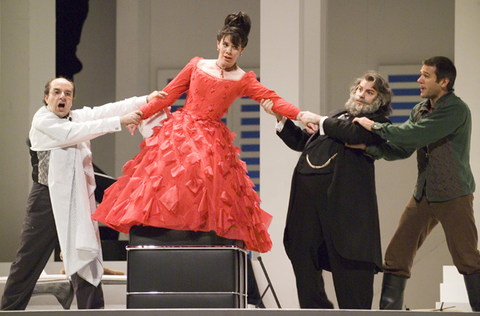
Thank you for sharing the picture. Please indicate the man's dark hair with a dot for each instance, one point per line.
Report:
(444, 68)
(46, 91)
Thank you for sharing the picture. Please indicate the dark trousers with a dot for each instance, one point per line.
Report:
(310, 250)
(417, 221)
(353, 282)
(37, 242)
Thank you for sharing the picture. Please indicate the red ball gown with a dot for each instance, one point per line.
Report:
(188, 175)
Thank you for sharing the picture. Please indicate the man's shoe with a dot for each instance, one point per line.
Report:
(63, 291)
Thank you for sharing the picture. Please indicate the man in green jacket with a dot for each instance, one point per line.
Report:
(439, 130)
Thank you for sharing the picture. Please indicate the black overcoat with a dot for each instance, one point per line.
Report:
(351, 218)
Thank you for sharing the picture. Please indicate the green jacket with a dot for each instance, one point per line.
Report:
(441, 136)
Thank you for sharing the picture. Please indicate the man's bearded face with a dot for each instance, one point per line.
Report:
(356, 105)
(363, 99)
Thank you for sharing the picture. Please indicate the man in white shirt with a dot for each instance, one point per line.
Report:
(62, 199)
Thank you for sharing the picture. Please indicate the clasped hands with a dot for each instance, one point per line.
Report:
(312, 121)
(309, 119)
(134, 118)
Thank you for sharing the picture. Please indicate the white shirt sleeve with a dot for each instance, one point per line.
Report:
(49, 132)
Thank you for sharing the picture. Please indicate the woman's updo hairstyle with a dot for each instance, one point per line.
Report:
(237, 25)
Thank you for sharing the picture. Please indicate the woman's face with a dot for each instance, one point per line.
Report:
(228, 52)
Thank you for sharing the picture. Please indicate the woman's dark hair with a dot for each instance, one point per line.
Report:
(237, 26)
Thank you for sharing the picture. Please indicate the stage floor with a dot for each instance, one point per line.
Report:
(233, 312)
(116, 305)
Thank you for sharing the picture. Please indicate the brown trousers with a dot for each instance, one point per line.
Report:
(419, 218)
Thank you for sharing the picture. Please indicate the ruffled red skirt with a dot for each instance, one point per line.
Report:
(188, 176)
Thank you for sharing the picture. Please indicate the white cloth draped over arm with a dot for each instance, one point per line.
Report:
(71, 179)
(72, 184)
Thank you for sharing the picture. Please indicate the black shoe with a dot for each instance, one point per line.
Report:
(63, 291)
(472, 283)
(393, 288)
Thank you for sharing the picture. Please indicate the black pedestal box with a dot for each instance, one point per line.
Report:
(163, 272)
(146, 235)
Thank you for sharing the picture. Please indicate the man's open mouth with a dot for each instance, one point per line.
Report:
(61, 105)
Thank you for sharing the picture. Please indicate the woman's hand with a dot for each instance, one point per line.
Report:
(310, 120)
(131, 119)
(267, 105)
(132, 128)
(156, 94)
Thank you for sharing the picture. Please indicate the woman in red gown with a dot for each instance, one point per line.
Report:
(188, 175)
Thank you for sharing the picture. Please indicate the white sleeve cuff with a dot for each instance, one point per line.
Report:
(279, 126)
(320, 125)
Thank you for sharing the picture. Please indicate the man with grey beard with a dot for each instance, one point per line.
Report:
(332, 222)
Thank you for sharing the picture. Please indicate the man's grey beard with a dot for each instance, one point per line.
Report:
(355, 109)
